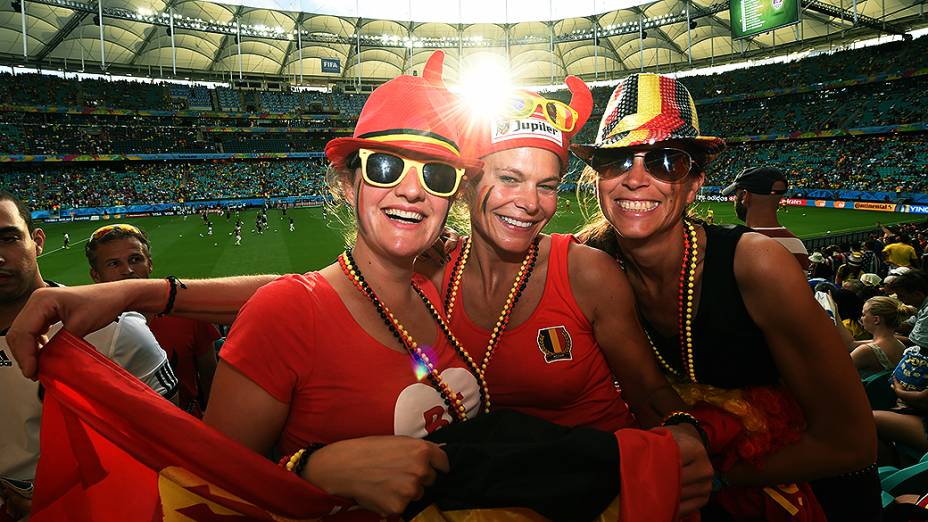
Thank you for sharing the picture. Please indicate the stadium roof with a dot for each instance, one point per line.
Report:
(544, 41)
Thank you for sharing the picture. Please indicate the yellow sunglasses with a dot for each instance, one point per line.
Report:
(386, 170)
(102, 231)
(523, 104)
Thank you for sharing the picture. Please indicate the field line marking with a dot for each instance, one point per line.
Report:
(61, 248)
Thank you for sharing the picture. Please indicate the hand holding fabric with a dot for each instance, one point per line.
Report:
(382, 474)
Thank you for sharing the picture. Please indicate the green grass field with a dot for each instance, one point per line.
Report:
(179, 249)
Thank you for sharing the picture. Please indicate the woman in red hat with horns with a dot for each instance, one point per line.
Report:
(548, 320)
(730, 320)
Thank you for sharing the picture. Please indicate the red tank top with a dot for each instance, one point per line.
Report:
(549, 366)
(296, 339)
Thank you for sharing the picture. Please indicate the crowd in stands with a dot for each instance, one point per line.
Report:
(872, 104)
(876, 290)
(894, 163)
(43, 90)
(887, 162)
(143, 183)
(895, 57)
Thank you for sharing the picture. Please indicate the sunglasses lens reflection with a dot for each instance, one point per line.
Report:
(384, 168)
(668, 165)
(439, 177)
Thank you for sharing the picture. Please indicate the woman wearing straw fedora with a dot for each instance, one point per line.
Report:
(742, 338)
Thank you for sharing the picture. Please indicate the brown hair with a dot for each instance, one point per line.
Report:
(21, 208)
(90, 249)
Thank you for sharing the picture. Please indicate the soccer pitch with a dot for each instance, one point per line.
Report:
(181, 246)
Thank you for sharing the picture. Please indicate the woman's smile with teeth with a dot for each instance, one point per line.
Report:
(515, 222)
(403, 215)
(637, 205)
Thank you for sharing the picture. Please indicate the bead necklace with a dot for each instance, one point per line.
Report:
(452, 400)
(686, 292)
(518, 286)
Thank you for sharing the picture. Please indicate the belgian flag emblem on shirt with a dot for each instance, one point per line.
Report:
(555, 343)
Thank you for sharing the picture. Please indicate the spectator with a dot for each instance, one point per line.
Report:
(120, 251)
(128, 342)
(911, 287)
(757, 198)
(899, 253)
(850, 270)
(881, 315)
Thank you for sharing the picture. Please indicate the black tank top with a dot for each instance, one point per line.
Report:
(729, 348)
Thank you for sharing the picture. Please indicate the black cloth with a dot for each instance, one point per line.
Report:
(507, 459)
(855, 496)
(729, 348)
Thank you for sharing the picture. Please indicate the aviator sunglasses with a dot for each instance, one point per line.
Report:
(523, 104)
(386, 170)
(665, 164)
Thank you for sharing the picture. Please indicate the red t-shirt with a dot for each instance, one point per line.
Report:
(184, 340)
(296, 339)
(550, 366)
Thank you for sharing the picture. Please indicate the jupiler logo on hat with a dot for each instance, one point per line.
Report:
(502, 130)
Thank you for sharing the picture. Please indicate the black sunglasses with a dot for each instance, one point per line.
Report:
(665, 164)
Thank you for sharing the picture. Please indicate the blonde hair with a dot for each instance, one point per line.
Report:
(338, 207)
(890, 309)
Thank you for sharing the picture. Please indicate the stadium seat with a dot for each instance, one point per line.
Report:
(879, 391)
(911, 480)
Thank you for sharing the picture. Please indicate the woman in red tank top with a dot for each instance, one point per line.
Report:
(551, 323)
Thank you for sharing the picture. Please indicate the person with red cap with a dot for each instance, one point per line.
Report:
(534, 309)
(731, 323)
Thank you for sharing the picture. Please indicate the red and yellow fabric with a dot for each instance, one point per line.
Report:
(104, 459)
(104, 455)
(746, 425)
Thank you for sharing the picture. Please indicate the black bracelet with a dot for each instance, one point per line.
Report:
(682, 417)
(304, 458)
(172, 294)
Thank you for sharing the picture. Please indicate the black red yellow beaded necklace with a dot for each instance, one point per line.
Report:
(452, 400)
(686, 291)
(518, 286)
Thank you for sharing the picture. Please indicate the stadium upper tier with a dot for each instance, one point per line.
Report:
(40, 90)
(337, 42)
(768, 114)
(828, 108)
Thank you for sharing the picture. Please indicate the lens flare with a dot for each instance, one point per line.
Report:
(485, 86)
